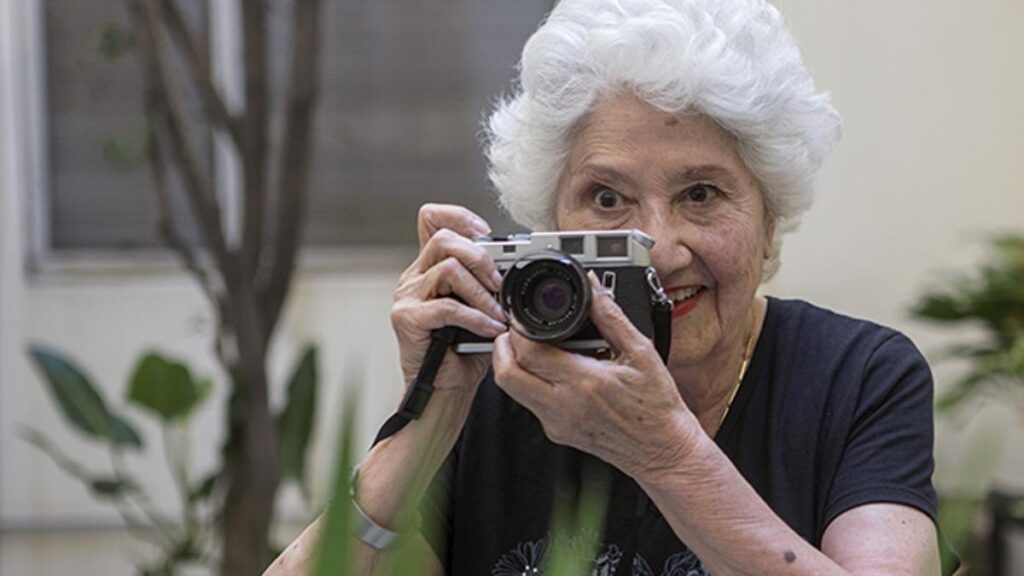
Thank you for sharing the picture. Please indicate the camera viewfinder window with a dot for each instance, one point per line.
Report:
(572, 245)
(611, 247)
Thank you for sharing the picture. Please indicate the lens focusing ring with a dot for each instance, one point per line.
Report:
(547, 295)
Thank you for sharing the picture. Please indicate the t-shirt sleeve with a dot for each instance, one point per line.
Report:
(888, 453)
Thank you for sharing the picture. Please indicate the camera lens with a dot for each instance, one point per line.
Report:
(552, 298)
(547, 295)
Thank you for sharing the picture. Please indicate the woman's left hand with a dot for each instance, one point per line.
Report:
(625, 410)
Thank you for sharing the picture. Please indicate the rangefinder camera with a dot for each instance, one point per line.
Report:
(546, 293)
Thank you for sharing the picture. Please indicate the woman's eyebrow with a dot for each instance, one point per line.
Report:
(713, 172)
(604, 173)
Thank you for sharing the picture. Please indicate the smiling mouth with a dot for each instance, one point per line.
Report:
(684, 299)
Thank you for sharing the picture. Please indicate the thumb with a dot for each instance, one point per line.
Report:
(617, 329)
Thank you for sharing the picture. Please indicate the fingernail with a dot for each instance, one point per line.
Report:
(498, 327)
(496, 279)
(482, 226)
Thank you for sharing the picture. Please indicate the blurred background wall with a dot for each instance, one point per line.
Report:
(931, 163)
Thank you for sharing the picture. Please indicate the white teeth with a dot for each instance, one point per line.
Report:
(684, 293)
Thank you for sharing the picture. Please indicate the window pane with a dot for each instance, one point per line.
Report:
(101, 192)
(404, 90)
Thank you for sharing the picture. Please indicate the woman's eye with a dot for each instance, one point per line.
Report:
(701, 193)
(607, 198)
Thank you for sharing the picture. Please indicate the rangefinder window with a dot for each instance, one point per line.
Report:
(572, 245)
(611, 247)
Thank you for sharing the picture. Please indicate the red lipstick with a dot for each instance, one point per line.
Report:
(683, 308)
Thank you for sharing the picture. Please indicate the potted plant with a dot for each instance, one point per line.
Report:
(992, 299)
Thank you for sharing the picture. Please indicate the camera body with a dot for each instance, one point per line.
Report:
(547, 295)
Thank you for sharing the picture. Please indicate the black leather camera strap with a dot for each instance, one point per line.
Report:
(422, 387)
(662, 312)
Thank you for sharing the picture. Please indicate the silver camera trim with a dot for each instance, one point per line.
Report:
(508, 252)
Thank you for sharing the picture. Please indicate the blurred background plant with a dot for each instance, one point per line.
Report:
(244, 264)
(991, 299)
(167, 390)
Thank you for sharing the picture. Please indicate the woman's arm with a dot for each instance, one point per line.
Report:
(718, 514)
(883, 539)
(397, 471)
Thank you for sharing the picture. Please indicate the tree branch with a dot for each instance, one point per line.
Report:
(201, 195)
(292, 188)
(200, 70)
(165, 216)
(254, 148)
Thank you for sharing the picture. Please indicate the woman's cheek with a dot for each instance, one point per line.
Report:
(734, 252)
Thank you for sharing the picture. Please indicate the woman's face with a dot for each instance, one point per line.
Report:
(680, 180)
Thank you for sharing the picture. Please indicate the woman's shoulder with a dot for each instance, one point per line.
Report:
(801, 321)
(803, 334)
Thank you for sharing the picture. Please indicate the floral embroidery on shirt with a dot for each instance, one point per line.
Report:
(527, 558)
(683, 563)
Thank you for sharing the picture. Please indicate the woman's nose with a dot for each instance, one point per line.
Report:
(672, 249)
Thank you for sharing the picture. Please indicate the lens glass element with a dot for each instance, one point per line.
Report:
(552, 297)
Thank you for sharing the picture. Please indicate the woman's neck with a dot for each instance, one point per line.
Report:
(709, 387)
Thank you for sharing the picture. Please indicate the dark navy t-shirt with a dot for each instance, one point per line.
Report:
(833, 413)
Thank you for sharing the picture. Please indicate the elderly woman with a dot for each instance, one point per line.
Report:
(778, 437)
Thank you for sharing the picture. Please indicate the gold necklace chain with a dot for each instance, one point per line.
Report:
(743, 371)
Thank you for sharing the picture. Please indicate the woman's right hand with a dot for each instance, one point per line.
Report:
(449, 265)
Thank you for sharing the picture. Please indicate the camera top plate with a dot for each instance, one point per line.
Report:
(591, 248)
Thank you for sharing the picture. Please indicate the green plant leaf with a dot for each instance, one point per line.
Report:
(334, 551)
(122, 433)
(295, 423)
(113, 40)
(108, 487)
(577, 522)
(46, 446)
(123, 152)
(941, 308)
(80, 401)
(165, 387)
(993, 298)
(202, 490)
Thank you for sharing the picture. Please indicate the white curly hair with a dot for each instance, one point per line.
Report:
(731, 60)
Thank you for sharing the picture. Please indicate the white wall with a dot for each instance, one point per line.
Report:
(932, 161)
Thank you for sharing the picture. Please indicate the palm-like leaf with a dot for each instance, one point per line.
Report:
(993, 298)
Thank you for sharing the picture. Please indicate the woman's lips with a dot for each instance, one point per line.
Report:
(683, 307)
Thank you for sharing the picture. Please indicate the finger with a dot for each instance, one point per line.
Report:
(451, 277)
(532, 392)
(417, 319)
(549, 362)
(434, 217)
(447, 244)
(612, 322)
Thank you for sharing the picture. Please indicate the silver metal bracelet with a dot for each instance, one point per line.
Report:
(368, 531)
